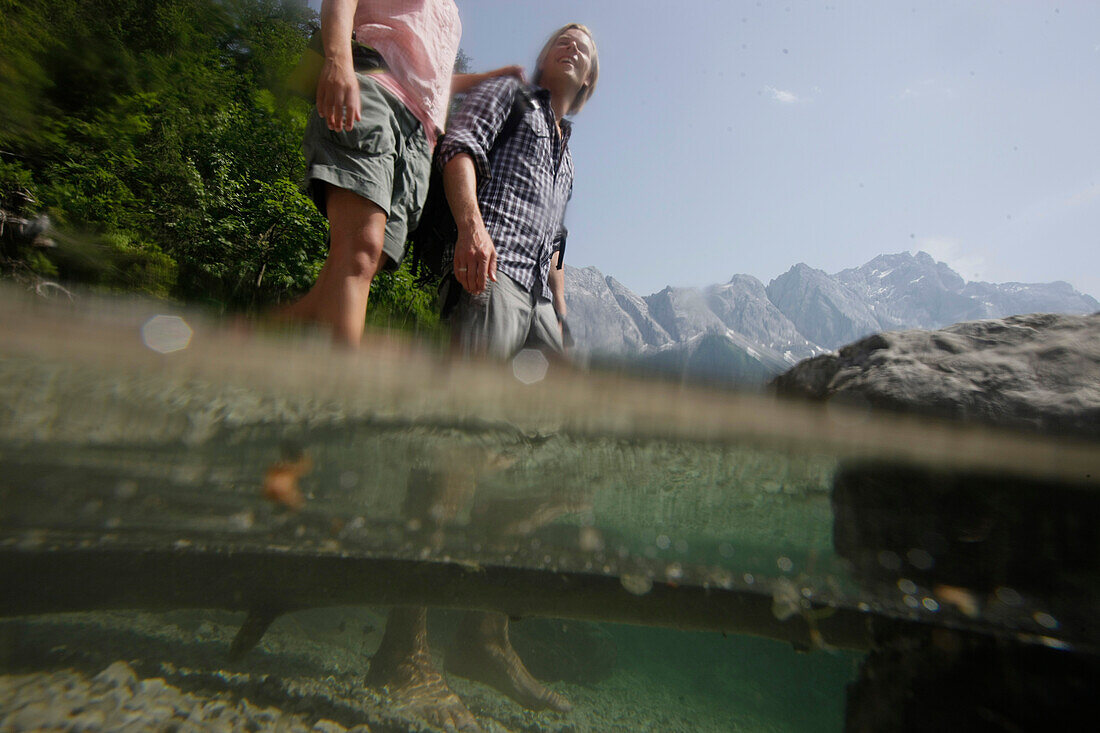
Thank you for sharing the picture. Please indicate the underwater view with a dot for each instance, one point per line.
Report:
(206, 527)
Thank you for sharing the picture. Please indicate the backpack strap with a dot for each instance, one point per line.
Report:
(521, 102)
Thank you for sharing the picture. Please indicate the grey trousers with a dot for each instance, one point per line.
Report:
(502, 320)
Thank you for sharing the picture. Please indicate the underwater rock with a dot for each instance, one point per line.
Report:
(948, 681)
(1039, 371)
(115, 676)
(938, 527)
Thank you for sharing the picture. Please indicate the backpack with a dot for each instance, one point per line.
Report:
(436, 229)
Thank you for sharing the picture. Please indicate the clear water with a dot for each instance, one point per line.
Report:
(105, 444)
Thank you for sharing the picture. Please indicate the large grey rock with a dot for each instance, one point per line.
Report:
(824, 310)
(1039, 371)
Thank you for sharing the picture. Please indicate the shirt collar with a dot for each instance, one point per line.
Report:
(543, 95)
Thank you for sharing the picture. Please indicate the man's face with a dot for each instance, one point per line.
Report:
(570, 56)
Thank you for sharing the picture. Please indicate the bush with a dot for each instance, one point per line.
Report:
(159, 140)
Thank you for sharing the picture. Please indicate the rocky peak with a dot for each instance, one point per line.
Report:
(823, 309)
(743, 306)
(634, 306)
(683, 313)
(801, 313)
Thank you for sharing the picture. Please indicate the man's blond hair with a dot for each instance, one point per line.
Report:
(589, 85)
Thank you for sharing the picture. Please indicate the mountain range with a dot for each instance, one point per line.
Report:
(742, 331)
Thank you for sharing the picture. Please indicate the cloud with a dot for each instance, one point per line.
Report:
(782, 95)
(946, 249)
(1088, 195)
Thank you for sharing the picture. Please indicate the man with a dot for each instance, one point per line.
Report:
(509, 209)
(507, 292)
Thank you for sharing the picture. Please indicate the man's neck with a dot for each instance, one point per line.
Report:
(561, 97)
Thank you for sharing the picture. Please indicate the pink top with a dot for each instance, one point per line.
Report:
(419, 41)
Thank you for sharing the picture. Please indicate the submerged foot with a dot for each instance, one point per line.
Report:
(416, 689)
(403, 669)
(489, 658)
(422, 693)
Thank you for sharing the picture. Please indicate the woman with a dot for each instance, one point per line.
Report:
(382, 97)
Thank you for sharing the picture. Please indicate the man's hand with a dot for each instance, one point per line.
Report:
(338, 93)
(475, 258)
(475, 255)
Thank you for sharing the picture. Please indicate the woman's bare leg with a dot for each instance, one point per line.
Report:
(357, 231)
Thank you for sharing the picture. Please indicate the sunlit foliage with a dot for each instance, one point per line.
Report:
(160, 141)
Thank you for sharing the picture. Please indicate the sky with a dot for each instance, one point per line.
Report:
(730, 136)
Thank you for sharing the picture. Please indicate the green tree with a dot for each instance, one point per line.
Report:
(161, 142)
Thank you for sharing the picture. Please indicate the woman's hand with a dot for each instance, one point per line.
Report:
(463, 83)
(338, 94)
(514, 70)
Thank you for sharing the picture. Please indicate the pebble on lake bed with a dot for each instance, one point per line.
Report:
(117, 699)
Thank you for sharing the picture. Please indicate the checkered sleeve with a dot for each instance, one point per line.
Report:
(475, 126)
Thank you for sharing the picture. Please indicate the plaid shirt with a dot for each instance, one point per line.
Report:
(523, 188)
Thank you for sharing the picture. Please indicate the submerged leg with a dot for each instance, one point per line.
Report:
(252, 630)
(403, 667)
(483, 652)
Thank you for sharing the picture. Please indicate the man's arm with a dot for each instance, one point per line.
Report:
(464, 155)
(475, 125)
(475, 255)
(337, 87)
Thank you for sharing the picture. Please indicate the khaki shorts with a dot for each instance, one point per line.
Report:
(384, 158)
(501, 320)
